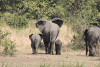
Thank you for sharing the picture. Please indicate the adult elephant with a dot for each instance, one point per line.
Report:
(92, 38)
(50, 31)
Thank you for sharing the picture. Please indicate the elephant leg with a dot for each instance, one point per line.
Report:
(99, 50)
(33, 50)
(36, 50)
(51, 47)
(56, 50)
(46, 47)
(92, 49)
(99, 46)
(60, 51)
(86, 47)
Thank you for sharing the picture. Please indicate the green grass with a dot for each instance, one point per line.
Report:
(4, 64)
(69, 65)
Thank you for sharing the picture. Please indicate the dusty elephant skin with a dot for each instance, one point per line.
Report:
(92, 38)
(50, 31)
(58, 44)
(35, 42)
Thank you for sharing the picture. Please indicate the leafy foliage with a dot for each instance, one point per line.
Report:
(9, 46)
(77, 13)
(16, 21)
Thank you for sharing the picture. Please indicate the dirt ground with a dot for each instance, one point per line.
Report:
(27, 59)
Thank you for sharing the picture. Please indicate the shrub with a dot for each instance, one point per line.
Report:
(18, 22)
(9, 46)
(78, 43)
(78, 27)
(15, 21)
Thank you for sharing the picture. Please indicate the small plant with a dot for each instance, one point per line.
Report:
(44, 65)
(9, 46)
(4, 64)
(78, 43)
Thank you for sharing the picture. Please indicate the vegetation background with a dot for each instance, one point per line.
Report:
(18, 17)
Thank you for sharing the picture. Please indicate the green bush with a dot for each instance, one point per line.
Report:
(78, 43)
(9, 46)
(15, 21)
(18, 22)
(78, 27)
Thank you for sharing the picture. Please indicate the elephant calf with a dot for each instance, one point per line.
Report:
(35, 42)
(58, 44)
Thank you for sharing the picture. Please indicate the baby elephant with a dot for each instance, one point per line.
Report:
(58, 44)
(35, 42)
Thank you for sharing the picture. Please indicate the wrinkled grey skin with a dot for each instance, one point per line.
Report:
(58, 45)
(50, 31)
(92, 39)
(35, 42)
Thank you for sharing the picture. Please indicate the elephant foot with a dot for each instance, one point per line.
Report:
(46, 52)
(35, 53)
(92, 54)
(52, 53)
(58, 54)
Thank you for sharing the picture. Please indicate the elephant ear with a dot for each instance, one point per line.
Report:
(30, 36)
(58, 21)
(40, 22)
(41, 36)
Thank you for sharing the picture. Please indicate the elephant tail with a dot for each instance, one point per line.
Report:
(86, 38)
(85, 34)
(85, 31)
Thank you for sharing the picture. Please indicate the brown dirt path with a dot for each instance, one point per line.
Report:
(66, 58)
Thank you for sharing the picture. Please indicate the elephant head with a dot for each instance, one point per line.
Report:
(41, 23)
